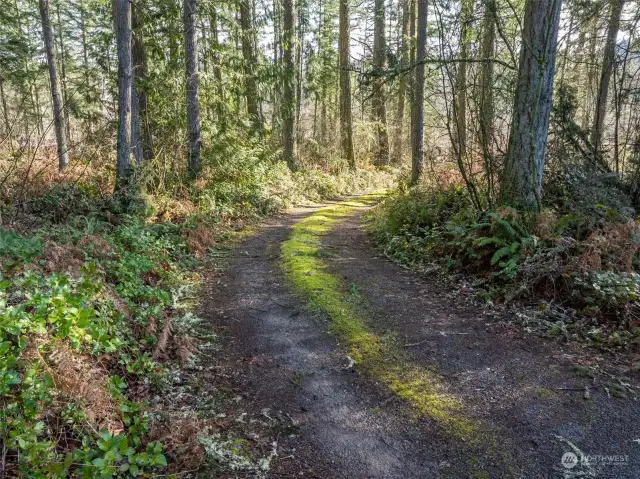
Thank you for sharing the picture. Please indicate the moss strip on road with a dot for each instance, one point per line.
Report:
(378, 356)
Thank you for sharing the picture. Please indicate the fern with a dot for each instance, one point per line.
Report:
(487, 240)
(501, 253)
(513, 230)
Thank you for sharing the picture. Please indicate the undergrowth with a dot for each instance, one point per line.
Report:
(582, 263)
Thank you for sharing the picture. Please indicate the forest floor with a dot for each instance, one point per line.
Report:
(500, 402)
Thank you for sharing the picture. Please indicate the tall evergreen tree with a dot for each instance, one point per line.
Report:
(289, 125)
(398, 140)
(605, 76)
(193, 105)
(59, 119)
(254, 107)
(379, 100)
(346, 123)
(417, 101)
(521, 183)
(122, 16)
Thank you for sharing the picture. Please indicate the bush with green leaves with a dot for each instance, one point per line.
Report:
(585, 264)
(99, 310)
(247, 180)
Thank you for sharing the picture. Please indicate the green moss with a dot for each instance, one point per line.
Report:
(424, 390)
(546, 393)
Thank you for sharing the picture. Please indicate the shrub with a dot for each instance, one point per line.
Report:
(593, 272)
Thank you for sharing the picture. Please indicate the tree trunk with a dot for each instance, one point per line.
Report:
(398, 142)
(217, 70)
(412, 45)
(379, 90)
(323, 115)
(460, 97)
(299, 64)
(85, 59)
(417, 106)
(63, 74)
(122, 15)
(289, 125)
(588, 105)
(5, 115)
(487, 109)
(277, 44)
(521, 184)
(58, 115)
(605, 76)
(250, 63)
(193, 108)
(143, 138)
(346, 124)
(136, 135)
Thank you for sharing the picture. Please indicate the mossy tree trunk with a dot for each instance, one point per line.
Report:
(521, 182)
(193, 106)
(605, 75)
(417, 106)
(379, 102)
(289, 101)
(59, 120)
(346, 124)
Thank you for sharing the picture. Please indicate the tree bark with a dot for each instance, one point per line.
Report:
(193, 107)
(487, 109)
(346, 124)
(143, 137)
(122, 15)
(379, 102)
(254, 109)
(289, 101)
(5, 114)
(56, 96)
(398, 142)
(217, 69)
(589, 77)
(417, 107)
(85, 59)
(605, 76)
(521, 184)
(412, 45)
(277, 58)
(63, 73)
(460, 97)
(299, 63)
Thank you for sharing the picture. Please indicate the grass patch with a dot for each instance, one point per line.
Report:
(423, 389)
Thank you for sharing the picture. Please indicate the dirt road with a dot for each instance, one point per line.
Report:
(515, 403)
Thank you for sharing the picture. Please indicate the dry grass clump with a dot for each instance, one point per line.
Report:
(78, 379)
(611, 247)
(179, 436)
(97, 247)
(62, 258)
(170, 344)
(199, 240)
(33, 172)
(174, 209)
(546, 223)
